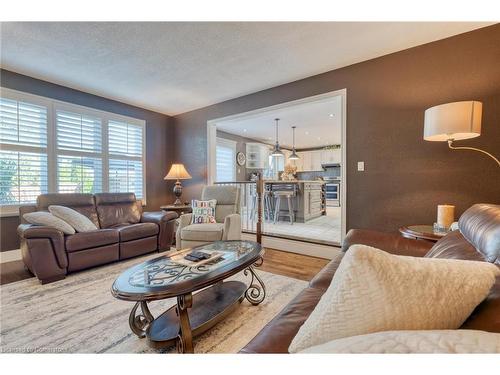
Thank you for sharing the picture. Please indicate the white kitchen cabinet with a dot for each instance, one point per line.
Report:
(257, 156)
(316, 160)
(299, 162)
(331, 156)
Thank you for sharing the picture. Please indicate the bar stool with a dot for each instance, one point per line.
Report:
(282, 192)
(268, 205)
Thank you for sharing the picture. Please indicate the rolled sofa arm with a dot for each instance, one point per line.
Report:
(166, 222)
(232, 227)
(389, 242)
(43, 251)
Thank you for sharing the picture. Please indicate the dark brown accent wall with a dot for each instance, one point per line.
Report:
(405, 177)
(159, 134)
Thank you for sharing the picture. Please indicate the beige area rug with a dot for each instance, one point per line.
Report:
(79, 315)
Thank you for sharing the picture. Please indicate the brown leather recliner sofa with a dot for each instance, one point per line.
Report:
(124, 231)
(478, 239)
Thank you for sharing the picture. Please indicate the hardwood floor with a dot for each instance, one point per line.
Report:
(279, 262)
(13, 271)
(297, 266)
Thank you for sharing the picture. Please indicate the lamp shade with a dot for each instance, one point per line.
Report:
(458, 120)
(177, 172)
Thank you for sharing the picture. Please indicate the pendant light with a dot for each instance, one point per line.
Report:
(293, 155)
(277, 150)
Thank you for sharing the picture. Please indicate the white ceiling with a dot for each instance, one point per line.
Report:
(317, 124)
(173, 67)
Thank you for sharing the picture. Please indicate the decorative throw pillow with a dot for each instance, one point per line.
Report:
(49, 220)
(78, 221)
(438, 341)
(203, 211)
(376, 291)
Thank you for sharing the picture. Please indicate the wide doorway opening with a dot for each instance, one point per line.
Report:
(299, 149)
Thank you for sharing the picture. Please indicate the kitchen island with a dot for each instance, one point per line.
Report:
(309, 201)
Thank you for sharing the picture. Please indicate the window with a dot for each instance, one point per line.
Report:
(23, 154)
(79, 153)
(50, 146)
(225, 161)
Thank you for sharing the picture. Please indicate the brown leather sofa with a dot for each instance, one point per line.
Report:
(124, 231)
(477, 239)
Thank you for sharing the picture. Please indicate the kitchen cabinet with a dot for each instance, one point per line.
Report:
(311, 161)
(257, 156)
(332, 156)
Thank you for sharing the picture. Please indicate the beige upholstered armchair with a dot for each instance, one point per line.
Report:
(227, 217)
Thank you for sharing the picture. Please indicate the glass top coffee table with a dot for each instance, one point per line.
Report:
(174, 277)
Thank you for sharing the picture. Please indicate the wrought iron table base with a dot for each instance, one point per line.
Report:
(174, 326)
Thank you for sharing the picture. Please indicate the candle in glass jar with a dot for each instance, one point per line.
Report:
(445, 215)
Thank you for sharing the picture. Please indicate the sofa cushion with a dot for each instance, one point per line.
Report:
(136, 231)
(80, 222)
(82, 203)
(87, 240)
(375, 291)
(117, 208)
(203, 232)
(49, 220)
(437, 341)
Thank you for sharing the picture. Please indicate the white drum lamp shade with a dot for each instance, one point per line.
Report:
(453, 121)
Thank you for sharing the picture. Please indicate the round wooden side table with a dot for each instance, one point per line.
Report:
(421, 232)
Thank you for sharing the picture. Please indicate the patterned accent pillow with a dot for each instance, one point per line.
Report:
(203, 211)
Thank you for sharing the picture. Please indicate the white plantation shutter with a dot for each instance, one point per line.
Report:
(126, 163)
(51, 146)
(79, 152)
(225, 160)
(77, 132)
(23, 155)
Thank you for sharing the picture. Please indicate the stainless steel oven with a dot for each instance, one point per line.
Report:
(332, 192)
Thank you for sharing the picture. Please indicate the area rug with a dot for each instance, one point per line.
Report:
(79, 315)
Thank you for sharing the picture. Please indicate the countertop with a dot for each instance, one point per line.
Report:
(293, 182)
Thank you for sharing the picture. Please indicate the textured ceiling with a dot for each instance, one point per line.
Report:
(317, 124)
(176, 67)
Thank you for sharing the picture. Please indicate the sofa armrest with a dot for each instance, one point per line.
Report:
(43, 251)
(166, 221)
(158, 216)
(184, 221)
(389, 242)
(232, 227)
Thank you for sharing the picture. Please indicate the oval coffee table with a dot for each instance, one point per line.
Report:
(174, 277)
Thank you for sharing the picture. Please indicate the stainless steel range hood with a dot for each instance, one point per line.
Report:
(330, 165)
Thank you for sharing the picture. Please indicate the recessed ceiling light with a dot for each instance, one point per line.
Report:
(245, 130)
(331, 114)
(307, 133)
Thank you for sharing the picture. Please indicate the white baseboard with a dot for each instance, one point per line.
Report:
(10, 255)
(298, 247)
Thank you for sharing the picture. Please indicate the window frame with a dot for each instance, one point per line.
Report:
(230, 144)
(53, 106)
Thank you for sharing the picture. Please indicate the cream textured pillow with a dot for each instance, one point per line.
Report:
(78, 221)
(376, 291)
(439, 341)
(49, 220)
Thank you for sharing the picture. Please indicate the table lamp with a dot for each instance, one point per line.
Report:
(177, 172)
(455, 121)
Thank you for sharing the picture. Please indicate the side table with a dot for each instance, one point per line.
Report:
(421, 232)
(180, 210)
